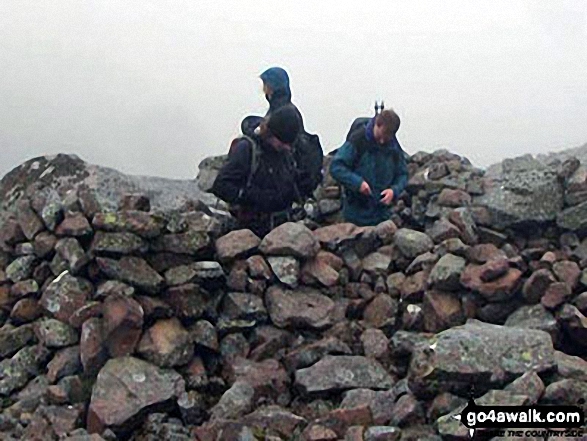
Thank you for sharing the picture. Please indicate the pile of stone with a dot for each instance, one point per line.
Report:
(147, 324)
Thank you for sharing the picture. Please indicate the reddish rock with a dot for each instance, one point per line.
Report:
(300, 309)
(407, 411)
(30, 223)
(187, 301)
(259, 268)
(203, 334)
(72, 253)
(238, 277)
(324, 268)
(381, 311)
(497, 290)
(463, 219)
(66, 362)
(483, 253)
(441, 310)
(236, 244)
(454, 198)
(494, 269)
(556, 294)
(65, 295)
(26, 311)
(375, 344)
(290, 239)
(89, 310)
(443, 230)
(567, 272)
(44, 244)
(93, 351)
(536, 285)
(123, 325)
(268, 378)
(75, 225)
(11, 233)
(330, 236)
(413, 288)
(124, 387)
(24, 288)
(166, 344)
(339, 420)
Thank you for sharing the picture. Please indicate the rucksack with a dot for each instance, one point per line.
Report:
(255, 155)
(309, 158)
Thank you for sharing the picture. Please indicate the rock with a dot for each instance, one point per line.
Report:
(93, 350)
(122, 324)
(72, 254)
(567, 272)
(66, 362)
(424, 262)
(337, 373)
(534, 317)
(127, 386)
(135, 201)
(44, 244)
(21, 268)
(113, 287)
(570, 367)
(143, 224)
(412, 290)
(76, 225)
(307, 355)
(412, 243)
(565, 392)
(26, 311)
(268, 378)
(556, 294)
(132, 270)
(65, 295)
(466, 354)
(529, 384)
(236, 244)
(286, 269)
(306, 308)
(382, 433)
(376, 263)
(381, 311)
(319, 433)
(375, 344)
(324, 268)
(447, 272)
(574, 324)
(274, 419)
(573, 218)
(536, 285)
(55, 334)
(118, 243)
(203, 334)
(523, 192)
(28, 220)
(453, 198)
(193, 242)
(441, 310)
(235, 403)
(16, 372)
(500, 289)
(443, 230)
(463, 219)
(13, 340)
(166, 344)
(187, 301)
(407, 411)
(332, 236)
(241, 306)
(290, 239)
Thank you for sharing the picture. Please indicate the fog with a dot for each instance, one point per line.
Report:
(152, 87)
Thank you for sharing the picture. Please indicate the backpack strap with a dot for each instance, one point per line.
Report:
(255, 157)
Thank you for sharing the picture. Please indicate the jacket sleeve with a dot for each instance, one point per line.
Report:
(341, 167)
(400, 178)
(232, 178)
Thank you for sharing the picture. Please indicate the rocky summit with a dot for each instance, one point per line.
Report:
(131, 308)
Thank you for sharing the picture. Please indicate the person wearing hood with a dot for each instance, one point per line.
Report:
(262, 200)
(277, 91)
(371, 167)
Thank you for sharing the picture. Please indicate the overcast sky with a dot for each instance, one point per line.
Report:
(152, 87)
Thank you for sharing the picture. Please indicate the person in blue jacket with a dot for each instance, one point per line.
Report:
(371, 166)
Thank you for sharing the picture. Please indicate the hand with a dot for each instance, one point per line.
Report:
(387, 196)
(365, 189)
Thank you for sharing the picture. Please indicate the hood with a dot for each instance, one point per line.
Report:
(278, 80)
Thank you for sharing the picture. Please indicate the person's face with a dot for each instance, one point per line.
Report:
(381, 135)
(267, 89)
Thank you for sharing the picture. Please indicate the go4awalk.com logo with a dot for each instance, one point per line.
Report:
(549, 419)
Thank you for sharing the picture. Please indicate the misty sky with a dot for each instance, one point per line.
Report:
(151, 87)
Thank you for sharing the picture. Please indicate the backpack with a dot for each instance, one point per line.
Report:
(309, 159)
(307, 154)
